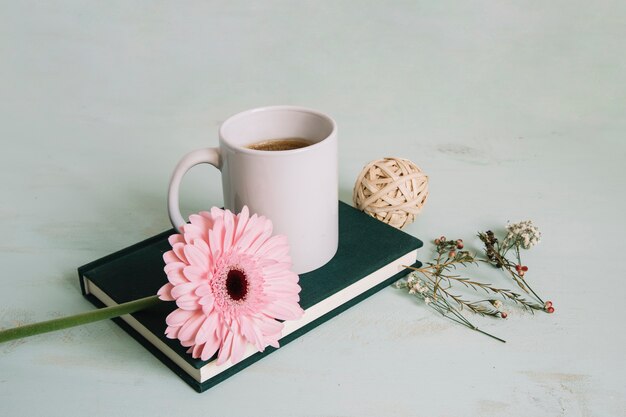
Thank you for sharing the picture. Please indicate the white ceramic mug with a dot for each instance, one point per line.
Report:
(296, 189)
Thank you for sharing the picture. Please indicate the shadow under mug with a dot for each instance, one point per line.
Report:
(296, 189)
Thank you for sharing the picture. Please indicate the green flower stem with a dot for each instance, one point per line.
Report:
(78, 319)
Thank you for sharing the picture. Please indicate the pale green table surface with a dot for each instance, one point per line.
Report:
(516, 110)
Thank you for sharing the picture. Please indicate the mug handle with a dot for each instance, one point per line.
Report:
(200, 156)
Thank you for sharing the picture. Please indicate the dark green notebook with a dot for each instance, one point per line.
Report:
(369, 257)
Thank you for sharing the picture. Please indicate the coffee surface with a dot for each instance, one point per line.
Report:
(283, 144)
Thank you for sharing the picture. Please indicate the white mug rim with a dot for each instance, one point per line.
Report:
(245, 113)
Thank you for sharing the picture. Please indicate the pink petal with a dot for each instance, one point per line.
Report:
(229, 230)
(284, 275)
(207, 310)
(196, 257)
(203, 246)
(194, 273)
(210, 347)
(173, 266)
(272, 330)
(203, 223)
(281, 288)
(196, 351)
(207, 329)
(186, 343)
(279, 254)
(178, 317)
(188, 302)
(207, 303)
(241, 222)
(251, 333)
(277, 268)
(285, 260)
(216, 214)
(203, 289)
(268, 325)
(172, 332)
(225, 349)
(250, 232)
(283, 310)
(218, 230)
(275, 247)
(179, 250)
(272, 341)
(190, 328)
(267, 232)
(176, 277)
(170, 257)
(192, 232)
(239, 344)
(215, 243)
(202, 220)
(165, 292)
(176, 238)
(184, 289)
(288, 298)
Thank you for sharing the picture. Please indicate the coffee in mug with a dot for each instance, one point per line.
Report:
(286, 144)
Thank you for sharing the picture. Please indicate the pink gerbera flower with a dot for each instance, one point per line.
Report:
(232, 282)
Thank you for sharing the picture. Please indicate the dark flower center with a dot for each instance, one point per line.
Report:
(236, 284)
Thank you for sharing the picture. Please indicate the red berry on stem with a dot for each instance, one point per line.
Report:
(548, 304)
(524, 268)
(459, 245)
(437, 242)
(550, 310)
(518, 268)
(503, 314)
(442, 239)
(452, 254)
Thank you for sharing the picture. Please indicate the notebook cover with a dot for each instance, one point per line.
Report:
(365, 245)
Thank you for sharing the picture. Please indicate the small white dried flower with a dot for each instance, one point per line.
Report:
(427, 300)
(497, 304)
(412, 290)
(525, 234)
(398, 284)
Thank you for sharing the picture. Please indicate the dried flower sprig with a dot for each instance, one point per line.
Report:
(425, 291)
(449, 257)
(522, 235)
(434, 283)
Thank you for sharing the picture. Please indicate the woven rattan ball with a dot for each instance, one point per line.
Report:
(392, 190)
